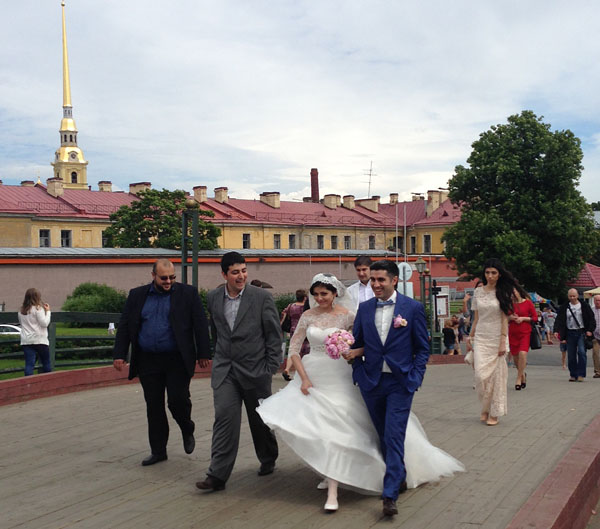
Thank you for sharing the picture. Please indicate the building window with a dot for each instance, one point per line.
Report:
(73, 177)
(398, 244)
(292, 241)
(371, 242)
(246, 241)
(426, 243)
(104, 240)
(347, 242)
(65, 239)
(44, 238)
(71, 137)
(320, 242)
(334, 242)
(277, 241)
(413, 244)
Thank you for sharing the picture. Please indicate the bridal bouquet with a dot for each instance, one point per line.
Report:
(338, 342)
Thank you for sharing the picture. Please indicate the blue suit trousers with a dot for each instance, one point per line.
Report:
(389, 407)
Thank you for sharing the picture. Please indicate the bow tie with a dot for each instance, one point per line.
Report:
(384, 303)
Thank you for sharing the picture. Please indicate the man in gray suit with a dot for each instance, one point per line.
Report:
(247, 335)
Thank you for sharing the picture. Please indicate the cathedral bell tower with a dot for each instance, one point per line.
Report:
(69, 164)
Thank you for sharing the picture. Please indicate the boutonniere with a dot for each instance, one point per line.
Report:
(399, 321)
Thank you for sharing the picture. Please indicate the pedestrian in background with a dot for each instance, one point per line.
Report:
(521, 320)
(34, 318)
(574, 321)
(596, 341)
(293, 311)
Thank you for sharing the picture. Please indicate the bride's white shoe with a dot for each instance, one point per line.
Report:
(323, 484)
(331, 507)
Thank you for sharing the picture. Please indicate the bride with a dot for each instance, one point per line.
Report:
(321, 415)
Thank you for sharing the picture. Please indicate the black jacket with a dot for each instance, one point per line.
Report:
(187, 319)
(560, 324)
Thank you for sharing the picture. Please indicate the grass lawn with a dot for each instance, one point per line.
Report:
(62, 331)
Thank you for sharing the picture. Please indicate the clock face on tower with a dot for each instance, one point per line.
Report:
(73, 155)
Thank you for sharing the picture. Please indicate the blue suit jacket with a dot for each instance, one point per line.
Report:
(406, 349)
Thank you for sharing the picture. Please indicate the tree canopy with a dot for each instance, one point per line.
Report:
(154, 221)
(520, 203)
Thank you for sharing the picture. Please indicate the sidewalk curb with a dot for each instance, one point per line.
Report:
(566, 498)
(22, 389)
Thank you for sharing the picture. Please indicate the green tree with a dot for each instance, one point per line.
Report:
(520, 203)
(154, 221)
(595, 206)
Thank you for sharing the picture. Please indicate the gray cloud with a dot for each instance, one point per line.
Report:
(253, 94)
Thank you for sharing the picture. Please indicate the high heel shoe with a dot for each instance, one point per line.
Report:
(323, 484)
(518, 387)
(524, 383)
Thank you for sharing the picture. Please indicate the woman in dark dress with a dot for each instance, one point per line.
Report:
(293, 311)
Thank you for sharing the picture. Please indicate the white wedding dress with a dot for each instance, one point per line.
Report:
(331, 430)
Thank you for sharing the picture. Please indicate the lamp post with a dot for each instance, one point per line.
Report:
(190, 212)
(420, 265)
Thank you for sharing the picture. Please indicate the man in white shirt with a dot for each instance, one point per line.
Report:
(361, 290)
(392, 329)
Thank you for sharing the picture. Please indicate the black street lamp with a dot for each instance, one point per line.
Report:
(420, 265)
(189, 213)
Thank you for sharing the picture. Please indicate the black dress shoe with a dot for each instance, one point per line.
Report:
(389, 507)
(189, 443)
(403, 487)
(266, 469)
(211, 483)
(154, 458)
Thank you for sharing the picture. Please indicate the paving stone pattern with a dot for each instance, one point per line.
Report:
(73, 461)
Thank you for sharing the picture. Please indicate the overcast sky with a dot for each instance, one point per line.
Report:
(252, 94)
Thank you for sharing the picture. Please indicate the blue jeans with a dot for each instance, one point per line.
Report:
(576, 354)
(41, 350)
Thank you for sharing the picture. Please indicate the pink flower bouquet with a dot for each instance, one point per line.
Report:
(338, 342)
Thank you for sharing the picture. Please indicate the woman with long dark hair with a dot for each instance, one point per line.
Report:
(34, 317)
(492, 303)
(521, 320)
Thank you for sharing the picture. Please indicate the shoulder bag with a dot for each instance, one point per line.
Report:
(286, 324)
(587, 340)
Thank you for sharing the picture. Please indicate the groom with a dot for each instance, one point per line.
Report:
(392, 328)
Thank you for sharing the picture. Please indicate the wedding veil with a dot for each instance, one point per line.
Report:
(342, 298)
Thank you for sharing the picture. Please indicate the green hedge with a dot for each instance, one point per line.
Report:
(94, 297)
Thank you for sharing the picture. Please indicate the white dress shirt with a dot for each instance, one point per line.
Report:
(383, 321)
(360, 292)
(231, 307)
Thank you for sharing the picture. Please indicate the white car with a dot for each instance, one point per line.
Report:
(9, 330)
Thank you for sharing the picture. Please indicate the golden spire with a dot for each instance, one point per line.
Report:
(69, 164)
(66, 81)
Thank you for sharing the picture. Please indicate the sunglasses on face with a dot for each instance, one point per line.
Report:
(164, 278)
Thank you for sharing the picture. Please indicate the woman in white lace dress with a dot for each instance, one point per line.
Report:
(321, 415)
(489, 338)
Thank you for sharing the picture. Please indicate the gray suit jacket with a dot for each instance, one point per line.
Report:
(252, 349)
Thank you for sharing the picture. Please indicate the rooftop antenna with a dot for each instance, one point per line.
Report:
(370, 174)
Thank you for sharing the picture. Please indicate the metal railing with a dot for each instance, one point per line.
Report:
(79, 352)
